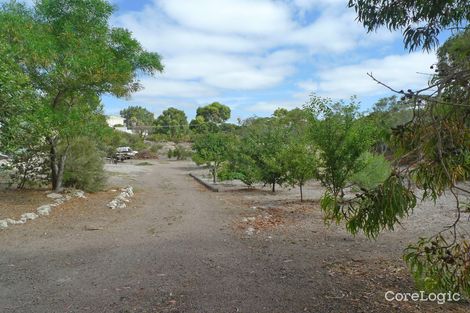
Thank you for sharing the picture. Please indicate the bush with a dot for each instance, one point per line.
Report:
(28, 168)
(84, 168)
(375, 171)
(180, 153)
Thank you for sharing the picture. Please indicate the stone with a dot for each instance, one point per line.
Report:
(13, 222)
(250, 231)
(79, 194)
(44, 210)
(54, 195)
(29, 216)
(3, 224)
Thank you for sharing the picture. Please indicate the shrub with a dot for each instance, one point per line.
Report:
(375, 171)
(85, 166)
(180, 153)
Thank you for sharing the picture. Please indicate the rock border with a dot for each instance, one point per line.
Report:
(205, 184)
(120, 202)
(43, 210)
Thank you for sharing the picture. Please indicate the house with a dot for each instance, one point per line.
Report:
(117, 122)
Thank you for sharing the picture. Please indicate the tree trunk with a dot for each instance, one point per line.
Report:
(214, 174)
(57, 166)
(274, 186)
(301, 193)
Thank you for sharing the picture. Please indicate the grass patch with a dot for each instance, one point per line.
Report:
(144, 164)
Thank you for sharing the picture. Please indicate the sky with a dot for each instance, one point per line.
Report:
(258, 55)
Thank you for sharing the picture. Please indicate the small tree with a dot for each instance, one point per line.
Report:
(211, 149)
(300, 161)
(262, 142)
(341, 139)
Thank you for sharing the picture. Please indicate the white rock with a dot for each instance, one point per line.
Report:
(79, 194)
(3, 224)
(44, 210)
(250, 231)
(54, 195)
(29, 216)
(13, 222)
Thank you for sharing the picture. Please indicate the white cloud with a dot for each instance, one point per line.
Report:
(173, 88)
(398, 71)
(245, 17)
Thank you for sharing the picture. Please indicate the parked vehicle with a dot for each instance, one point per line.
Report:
(125, 153)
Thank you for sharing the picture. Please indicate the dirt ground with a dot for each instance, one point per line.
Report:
(181, 248)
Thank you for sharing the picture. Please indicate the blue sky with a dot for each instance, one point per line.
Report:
(258, 55)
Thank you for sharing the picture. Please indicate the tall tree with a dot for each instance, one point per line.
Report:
(137, 116)
(71, 56)
(210, 117)
(172, 122)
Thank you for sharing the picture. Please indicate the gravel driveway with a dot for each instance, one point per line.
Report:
(175, 249)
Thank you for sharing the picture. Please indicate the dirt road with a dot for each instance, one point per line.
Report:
(175, 249)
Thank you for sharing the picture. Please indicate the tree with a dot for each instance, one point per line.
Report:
(300, 161)
(69, 56)
(211, 149)
(261, 145)
(438, 134)
(210, 117)
(172, 122)
(138, 119)
(421, 21)
(341, 139)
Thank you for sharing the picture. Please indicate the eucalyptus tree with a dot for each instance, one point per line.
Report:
(69, 55)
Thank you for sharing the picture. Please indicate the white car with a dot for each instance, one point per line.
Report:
(126, 152)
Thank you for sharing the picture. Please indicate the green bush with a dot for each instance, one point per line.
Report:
(375, 171)
(84, 168)
(180, 153)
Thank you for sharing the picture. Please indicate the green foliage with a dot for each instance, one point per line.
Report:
(376, 170)
(440, 265)
(262, 144)
(435, 142)
(372, 210)
(342, 138)
(85, 166)
(69, 57)
(180, 153)
(421, 21)
(210, 118)
(138, 119)
(211, 149)
(173, 123)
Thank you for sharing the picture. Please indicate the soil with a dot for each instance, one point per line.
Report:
(181, 248)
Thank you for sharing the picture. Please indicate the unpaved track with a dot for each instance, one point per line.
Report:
(175, 250)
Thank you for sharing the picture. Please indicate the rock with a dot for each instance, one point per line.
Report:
(251, 219)
(29, 216)
(250, 231)
(116, 204)
(129, 190)
(79, 194)
(54, 195)
(13, 222)
(44, 210)
(3, 224)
